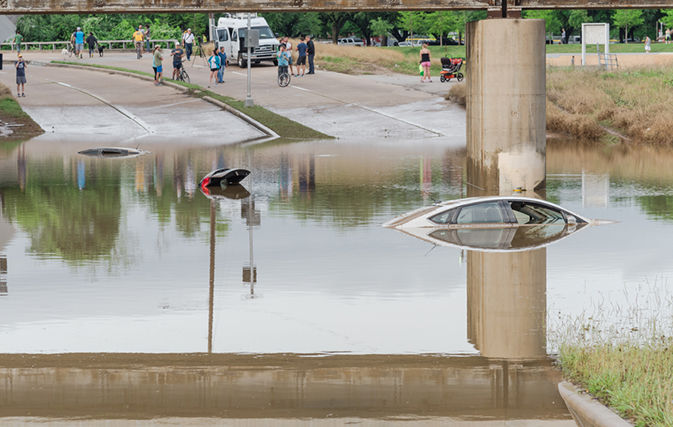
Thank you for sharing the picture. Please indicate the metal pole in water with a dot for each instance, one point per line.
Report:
(248, 99)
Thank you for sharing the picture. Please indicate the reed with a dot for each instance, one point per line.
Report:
(622, 353)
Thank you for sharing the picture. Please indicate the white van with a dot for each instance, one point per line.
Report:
(230, 32)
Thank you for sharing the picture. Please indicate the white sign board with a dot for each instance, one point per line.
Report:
(595, 34)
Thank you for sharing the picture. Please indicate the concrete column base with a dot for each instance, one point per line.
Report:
(506, 106)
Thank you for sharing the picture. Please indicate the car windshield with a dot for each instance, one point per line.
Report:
(264, 32)
(527, 213)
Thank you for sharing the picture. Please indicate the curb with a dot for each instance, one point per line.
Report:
(586, 411)
(252, 122)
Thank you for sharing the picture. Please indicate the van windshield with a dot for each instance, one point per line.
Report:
(264, 32)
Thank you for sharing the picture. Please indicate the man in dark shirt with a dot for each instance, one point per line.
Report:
(91, 41)
(177, 53)
(301, 61)
(311, 53)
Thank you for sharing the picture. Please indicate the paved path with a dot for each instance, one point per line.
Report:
(339, 105)
(77, 104)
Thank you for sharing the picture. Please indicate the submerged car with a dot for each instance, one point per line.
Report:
(492, 223)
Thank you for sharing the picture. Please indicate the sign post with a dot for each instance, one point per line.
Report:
(595, 34)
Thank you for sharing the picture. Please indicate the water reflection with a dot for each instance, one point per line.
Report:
(155, 268)
(143, 386)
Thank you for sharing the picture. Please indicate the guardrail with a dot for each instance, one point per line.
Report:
(65, 44)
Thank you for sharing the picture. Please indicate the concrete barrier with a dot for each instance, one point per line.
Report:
(586, 411)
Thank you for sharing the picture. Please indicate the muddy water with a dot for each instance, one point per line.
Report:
(129, 297)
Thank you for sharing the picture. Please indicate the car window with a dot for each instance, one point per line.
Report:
(444, 217)
(234, 35)
(223, 35)
(531, 213)
(480, 213)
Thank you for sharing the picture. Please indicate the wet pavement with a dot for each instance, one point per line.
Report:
(130, 298)
(335, 104)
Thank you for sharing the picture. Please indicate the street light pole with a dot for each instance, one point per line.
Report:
(248, 99)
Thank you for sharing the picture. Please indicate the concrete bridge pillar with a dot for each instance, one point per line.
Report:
(506, 76)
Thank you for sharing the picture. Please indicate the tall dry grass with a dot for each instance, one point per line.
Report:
(636, 102)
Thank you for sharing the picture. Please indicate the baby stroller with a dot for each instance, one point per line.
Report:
(451, 68)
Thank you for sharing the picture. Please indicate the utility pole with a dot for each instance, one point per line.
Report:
(248, 99)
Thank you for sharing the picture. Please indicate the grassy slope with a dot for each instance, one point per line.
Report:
(283, 126)
(11, 112)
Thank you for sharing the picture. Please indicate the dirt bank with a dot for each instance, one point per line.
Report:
(14, 122)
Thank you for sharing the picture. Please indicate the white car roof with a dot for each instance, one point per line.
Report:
(427, 210)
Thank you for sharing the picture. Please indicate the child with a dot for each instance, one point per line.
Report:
(20, 66)
(283, 60)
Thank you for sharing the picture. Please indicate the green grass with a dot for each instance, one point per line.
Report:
(10, 107)
(283, 126)
(622, 353)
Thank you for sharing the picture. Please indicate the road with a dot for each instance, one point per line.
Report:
(345, 106)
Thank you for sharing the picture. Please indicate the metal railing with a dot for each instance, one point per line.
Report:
(65, 44)
(607, 61)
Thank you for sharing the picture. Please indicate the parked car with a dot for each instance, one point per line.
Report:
(351, 41)
(492, 223)
(446, 41)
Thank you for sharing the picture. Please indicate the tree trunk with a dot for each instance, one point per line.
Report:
(335, 33)
(626, 36)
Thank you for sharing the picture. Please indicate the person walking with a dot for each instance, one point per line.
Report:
(18, 39)
(310, 50)
(214, 64)
(20, 66)
(188, 42)
(157, 62)
(177, 53)
(91, 41)
(425, 63)
(79, 43)
(301, 60)
(147, 38)
(647, 44)
(223, 64)
(668, 35)
(138, 41)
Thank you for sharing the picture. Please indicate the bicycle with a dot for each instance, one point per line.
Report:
(182, 75)
(283, 76)
(71, 49)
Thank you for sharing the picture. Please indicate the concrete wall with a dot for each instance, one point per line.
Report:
(506, 117)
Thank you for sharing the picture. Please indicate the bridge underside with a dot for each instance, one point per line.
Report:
(20, 7)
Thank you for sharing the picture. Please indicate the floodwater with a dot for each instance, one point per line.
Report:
(128, 297)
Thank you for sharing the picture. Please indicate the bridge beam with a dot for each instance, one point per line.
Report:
(22, 7)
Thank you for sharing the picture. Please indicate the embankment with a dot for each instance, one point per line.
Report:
(14, 122)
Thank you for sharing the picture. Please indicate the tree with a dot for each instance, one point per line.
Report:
(552, 24)
(627, 18)
(335, 21)
(667, 19)
(411, 21)
(441, 22)
(362, 21)
(381, 27)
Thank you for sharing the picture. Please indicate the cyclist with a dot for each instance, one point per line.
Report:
(138, 37)
(283, 60)
(177, 54)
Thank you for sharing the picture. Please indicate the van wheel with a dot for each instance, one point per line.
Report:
(275, 62)
(241, 62)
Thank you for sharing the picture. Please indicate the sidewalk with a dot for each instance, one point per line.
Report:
(336, 104)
